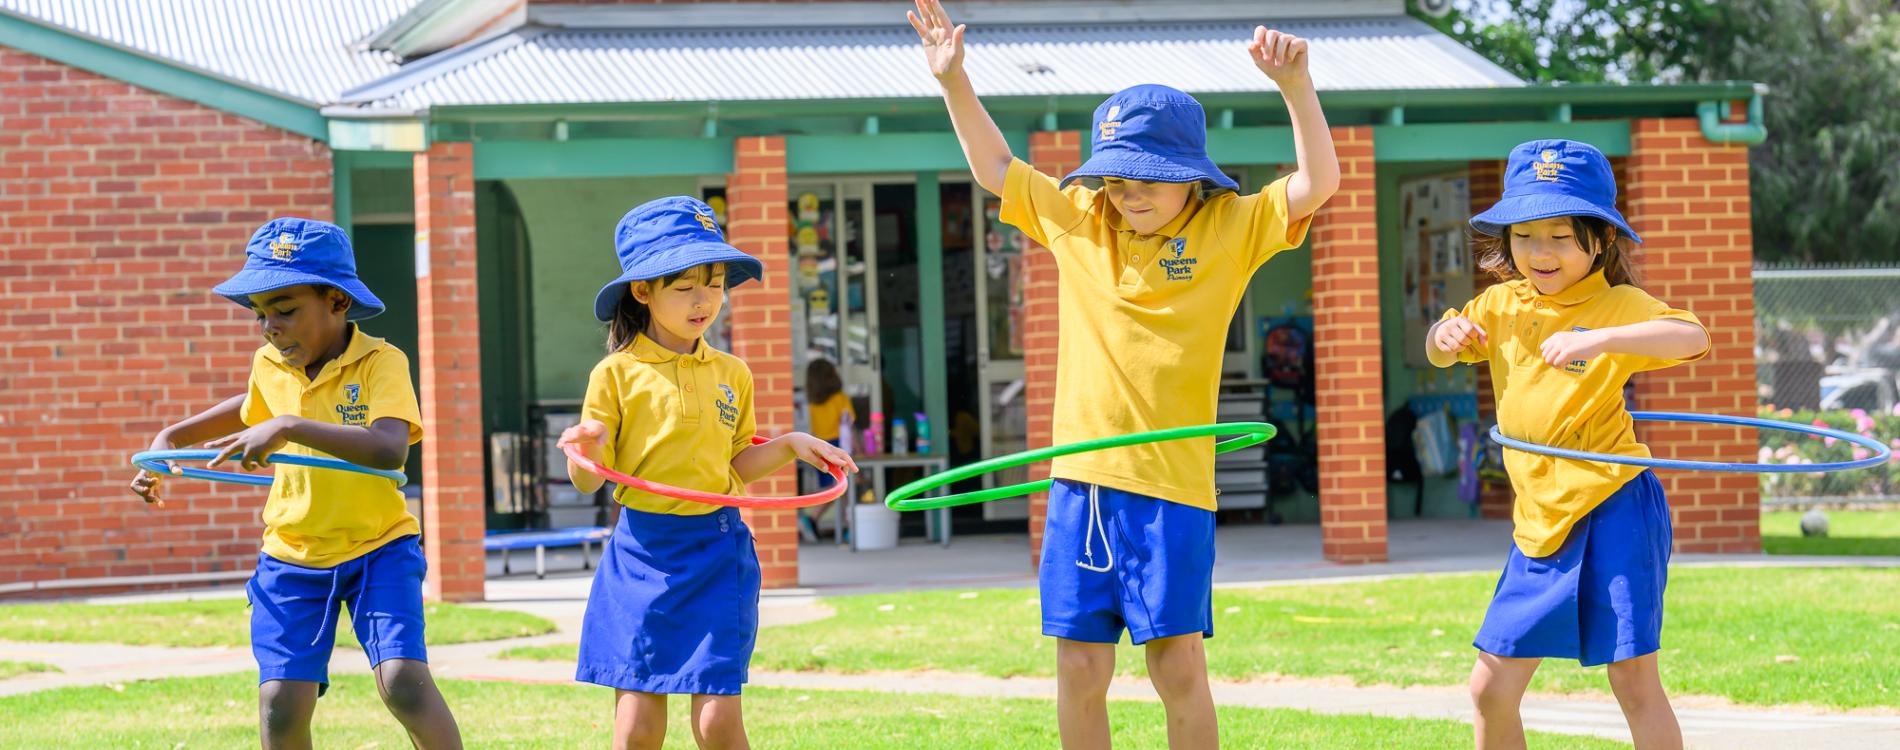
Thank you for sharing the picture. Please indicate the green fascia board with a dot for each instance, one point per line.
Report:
(607, 157)
(160, 75)
(1250, 145)
(380, 159)
(1490, 140)
(884, 152)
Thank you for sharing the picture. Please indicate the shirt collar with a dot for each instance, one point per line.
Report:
(649, 351)
(1584, 290)
(361, 344)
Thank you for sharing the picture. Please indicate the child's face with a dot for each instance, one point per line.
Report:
(1148, 206)
(303, 323)
(1548, 253)
(685, 308)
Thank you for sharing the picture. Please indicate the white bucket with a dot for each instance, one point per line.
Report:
(874, 525)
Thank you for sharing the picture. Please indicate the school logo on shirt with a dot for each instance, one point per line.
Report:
(283, 247)
(1175, 262)
(1577, 366)
(353, 413)
(1110, 123)
(728, 408)
(1549, 168)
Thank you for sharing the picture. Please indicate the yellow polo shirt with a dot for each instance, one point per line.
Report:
(1143, 322)
(1577, 406)
(676, 419)
(826, 415)
(321, 518)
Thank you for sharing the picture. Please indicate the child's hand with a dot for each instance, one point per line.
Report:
(943, 42)
(821, 454)
(1280, 55)
(145, 484)
(1565, 347)
(1453, 335)
(590, 435)
(253, 446)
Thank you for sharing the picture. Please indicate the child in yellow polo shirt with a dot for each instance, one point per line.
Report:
(1563, 333)
(321, 387)
(1155, 250)
(674, 606)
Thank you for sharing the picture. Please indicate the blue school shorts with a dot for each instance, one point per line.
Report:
(295, 611)
(1114, 560)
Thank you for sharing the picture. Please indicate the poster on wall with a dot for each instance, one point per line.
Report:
(1437, 263)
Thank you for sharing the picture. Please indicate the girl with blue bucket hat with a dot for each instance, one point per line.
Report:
(1154, 248)
(674, 607)
(1563, 333)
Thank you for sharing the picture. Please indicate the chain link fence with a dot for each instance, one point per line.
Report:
(1828, 352)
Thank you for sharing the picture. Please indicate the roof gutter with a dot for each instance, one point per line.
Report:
(1750, 133)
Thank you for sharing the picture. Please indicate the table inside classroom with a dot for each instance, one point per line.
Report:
(936, 520)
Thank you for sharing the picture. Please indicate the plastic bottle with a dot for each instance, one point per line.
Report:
(923, 433)
(874, 437)
(900, 438)
(844, 431)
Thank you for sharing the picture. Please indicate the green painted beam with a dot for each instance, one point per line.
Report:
(1263, 145)
(163, 76)
(930, 311)
(1492, 140)
(381, 159)
(614, 157)
(882, 152)
(342, 191)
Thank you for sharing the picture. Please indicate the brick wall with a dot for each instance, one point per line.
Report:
(1487, 185)
(120, 208)
(762, 335)
(1055, 153)
(1347, 356)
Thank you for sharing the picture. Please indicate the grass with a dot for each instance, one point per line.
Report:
(17, 668)
(227, 622)
(1850, 532)
(220, 712)
(1761, 636)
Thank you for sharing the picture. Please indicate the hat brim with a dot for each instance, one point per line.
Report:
(1143, 166)
(740, 268)
(251, 281)
(1518, 209)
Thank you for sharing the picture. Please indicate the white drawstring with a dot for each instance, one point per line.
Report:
(1094, 525)
(329, 604)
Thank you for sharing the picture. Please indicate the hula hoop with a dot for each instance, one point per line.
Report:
(154, 461)
(711, 498)
(1251, 434)
(1880, 450)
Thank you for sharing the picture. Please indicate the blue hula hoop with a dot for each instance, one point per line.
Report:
(1880, 450)
(154, 461)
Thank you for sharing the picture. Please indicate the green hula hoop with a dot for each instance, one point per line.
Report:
(905, 497)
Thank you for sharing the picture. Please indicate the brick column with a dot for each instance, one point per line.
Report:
(1486, 179)
(1347, 366)
(450, 358)
(1056, 153)
(762, 334)
(1688, 198)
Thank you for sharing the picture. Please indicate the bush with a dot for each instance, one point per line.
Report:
(1784, 447)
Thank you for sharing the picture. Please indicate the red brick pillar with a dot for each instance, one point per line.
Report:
(1347, 366)
(1486, 179)
(762, 334)
(450, 358)
(1688, 198)
(1056, 153)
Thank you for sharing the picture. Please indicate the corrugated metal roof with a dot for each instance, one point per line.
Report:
(546, 65)
(306, 49)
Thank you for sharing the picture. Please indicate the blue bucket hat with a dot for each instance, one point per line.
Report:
(1547, 179)
(291, 251)
(1151, 133)
(665, 237)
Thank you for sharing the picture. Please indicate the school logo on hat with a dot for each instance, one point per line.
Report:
(1111, 122)
(708, 221)
(283, 246)
(353, 391)
(1179, 268)
(1549, 168)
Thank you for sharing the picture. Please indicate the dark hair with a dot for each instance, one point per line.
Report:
(1610, 252)
(631, 317)
(821, 381)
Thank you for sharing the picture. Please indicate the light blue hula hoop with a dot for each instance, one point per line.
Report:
(154, 461)
(1880, 450)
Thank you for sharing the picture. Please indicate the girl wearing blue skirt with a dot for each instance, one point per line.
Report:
(1563, 334)
(675, 603)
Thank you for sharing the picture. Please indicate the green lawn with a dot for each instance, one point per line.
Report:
(1729, 633)
(1850, 532)
(17, 668)
(221, 712)
(227, 622)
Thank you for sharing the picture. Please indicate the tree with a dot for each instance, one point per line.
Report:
(1826, 185)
